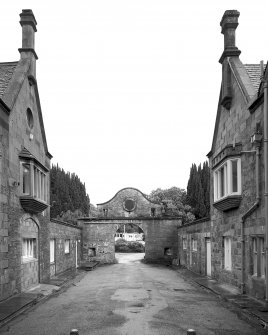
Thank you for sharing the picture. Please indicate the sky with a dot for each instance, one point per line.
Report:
(129, 89)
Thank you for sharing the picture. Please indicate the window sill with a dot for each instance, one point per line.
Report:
(228, 203)
(32, 205)
(29, 259)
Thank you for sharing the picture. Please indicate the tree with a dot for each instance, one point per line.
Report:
(198, 190)
(68, 196)
(174, 200)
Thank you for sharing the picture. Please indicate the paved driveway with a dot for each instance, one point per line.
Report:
(130, 298)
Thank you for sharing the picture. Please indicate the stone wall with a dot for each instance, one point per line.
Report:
(160, 238)
(16, 134)
(115, 206)
(161, 241)
(60, 232)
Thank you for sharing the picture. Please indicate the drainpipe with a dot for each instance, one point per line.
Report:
(248, 213)
(265, 116)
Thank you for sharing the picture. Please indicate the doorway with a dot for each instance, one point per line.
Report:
(208, 257)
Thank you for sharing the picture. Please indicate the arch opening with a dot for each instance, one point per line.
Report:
(129, 243)
(29, 231)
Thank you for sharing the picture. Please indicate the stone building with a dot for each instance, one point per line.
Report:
(27, 256)
(230, 247)
(129, 205)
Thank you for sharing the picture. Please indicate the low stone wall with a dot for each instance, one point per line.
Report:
(61, 232)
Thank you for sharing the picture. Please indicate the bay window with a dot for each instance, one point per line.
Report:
(34, 183)
(227, 179)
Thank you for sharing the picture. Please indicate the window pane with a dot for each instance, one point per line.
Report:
(227, 253)
(234, 176)
(222, 182)
(255, 256)
(29, 249)
(67, 246)
(35, 182)
(52, 251)
(26, 179)
(262, 256)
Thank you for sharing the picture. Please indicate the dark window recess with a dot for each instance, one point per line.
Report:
(129, 205)
(105, 211)
(30, 119)
(92, 252)
(152, 211)
(167, 252)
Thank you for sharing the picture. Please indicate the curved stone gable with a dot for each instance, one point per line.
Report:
(131, 203)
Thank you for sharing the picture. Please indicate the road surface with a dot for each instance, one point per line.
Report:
(130, 298)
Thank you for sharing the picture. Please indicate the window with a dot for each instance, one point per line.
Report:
(184, 243)
(29, 248)
(26, 178)
(227, 179)
(34, 181)
(194, 244)
(30, 119)
(258, 256)
(227, 253)
(67, 246)
(91, 252)
(52, 250)
(167, 252)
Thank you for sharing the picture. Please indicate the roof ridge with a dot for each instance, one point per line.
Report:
(9, 63)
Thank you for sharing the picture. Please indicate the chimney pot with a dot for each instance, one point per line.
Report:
(27, 18)
(229, 23)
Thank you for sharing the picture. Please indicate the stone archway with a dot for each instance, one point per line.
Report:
(29, 236)
(130, 205)
(98, 238)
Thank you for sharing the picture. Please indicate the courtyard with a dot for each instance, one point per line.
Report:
(131, 297)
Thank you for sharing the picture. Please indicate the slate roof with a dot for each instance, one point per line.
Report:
(254, 72)
(6, 73)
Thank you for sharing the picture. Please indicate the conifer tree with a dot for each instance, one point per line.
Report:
(198, 190)
(67, 193)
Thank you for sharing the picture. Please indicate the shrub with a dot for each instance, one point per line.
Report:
(122, 245)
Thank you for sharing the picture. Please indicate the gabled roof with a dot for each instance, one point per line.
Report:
(254, 72)
(248, 78)
(12, 76)
(6, 72)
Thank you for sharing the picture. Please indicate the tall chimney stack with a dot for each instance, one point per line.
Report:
(28, 23)
(229, 23)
